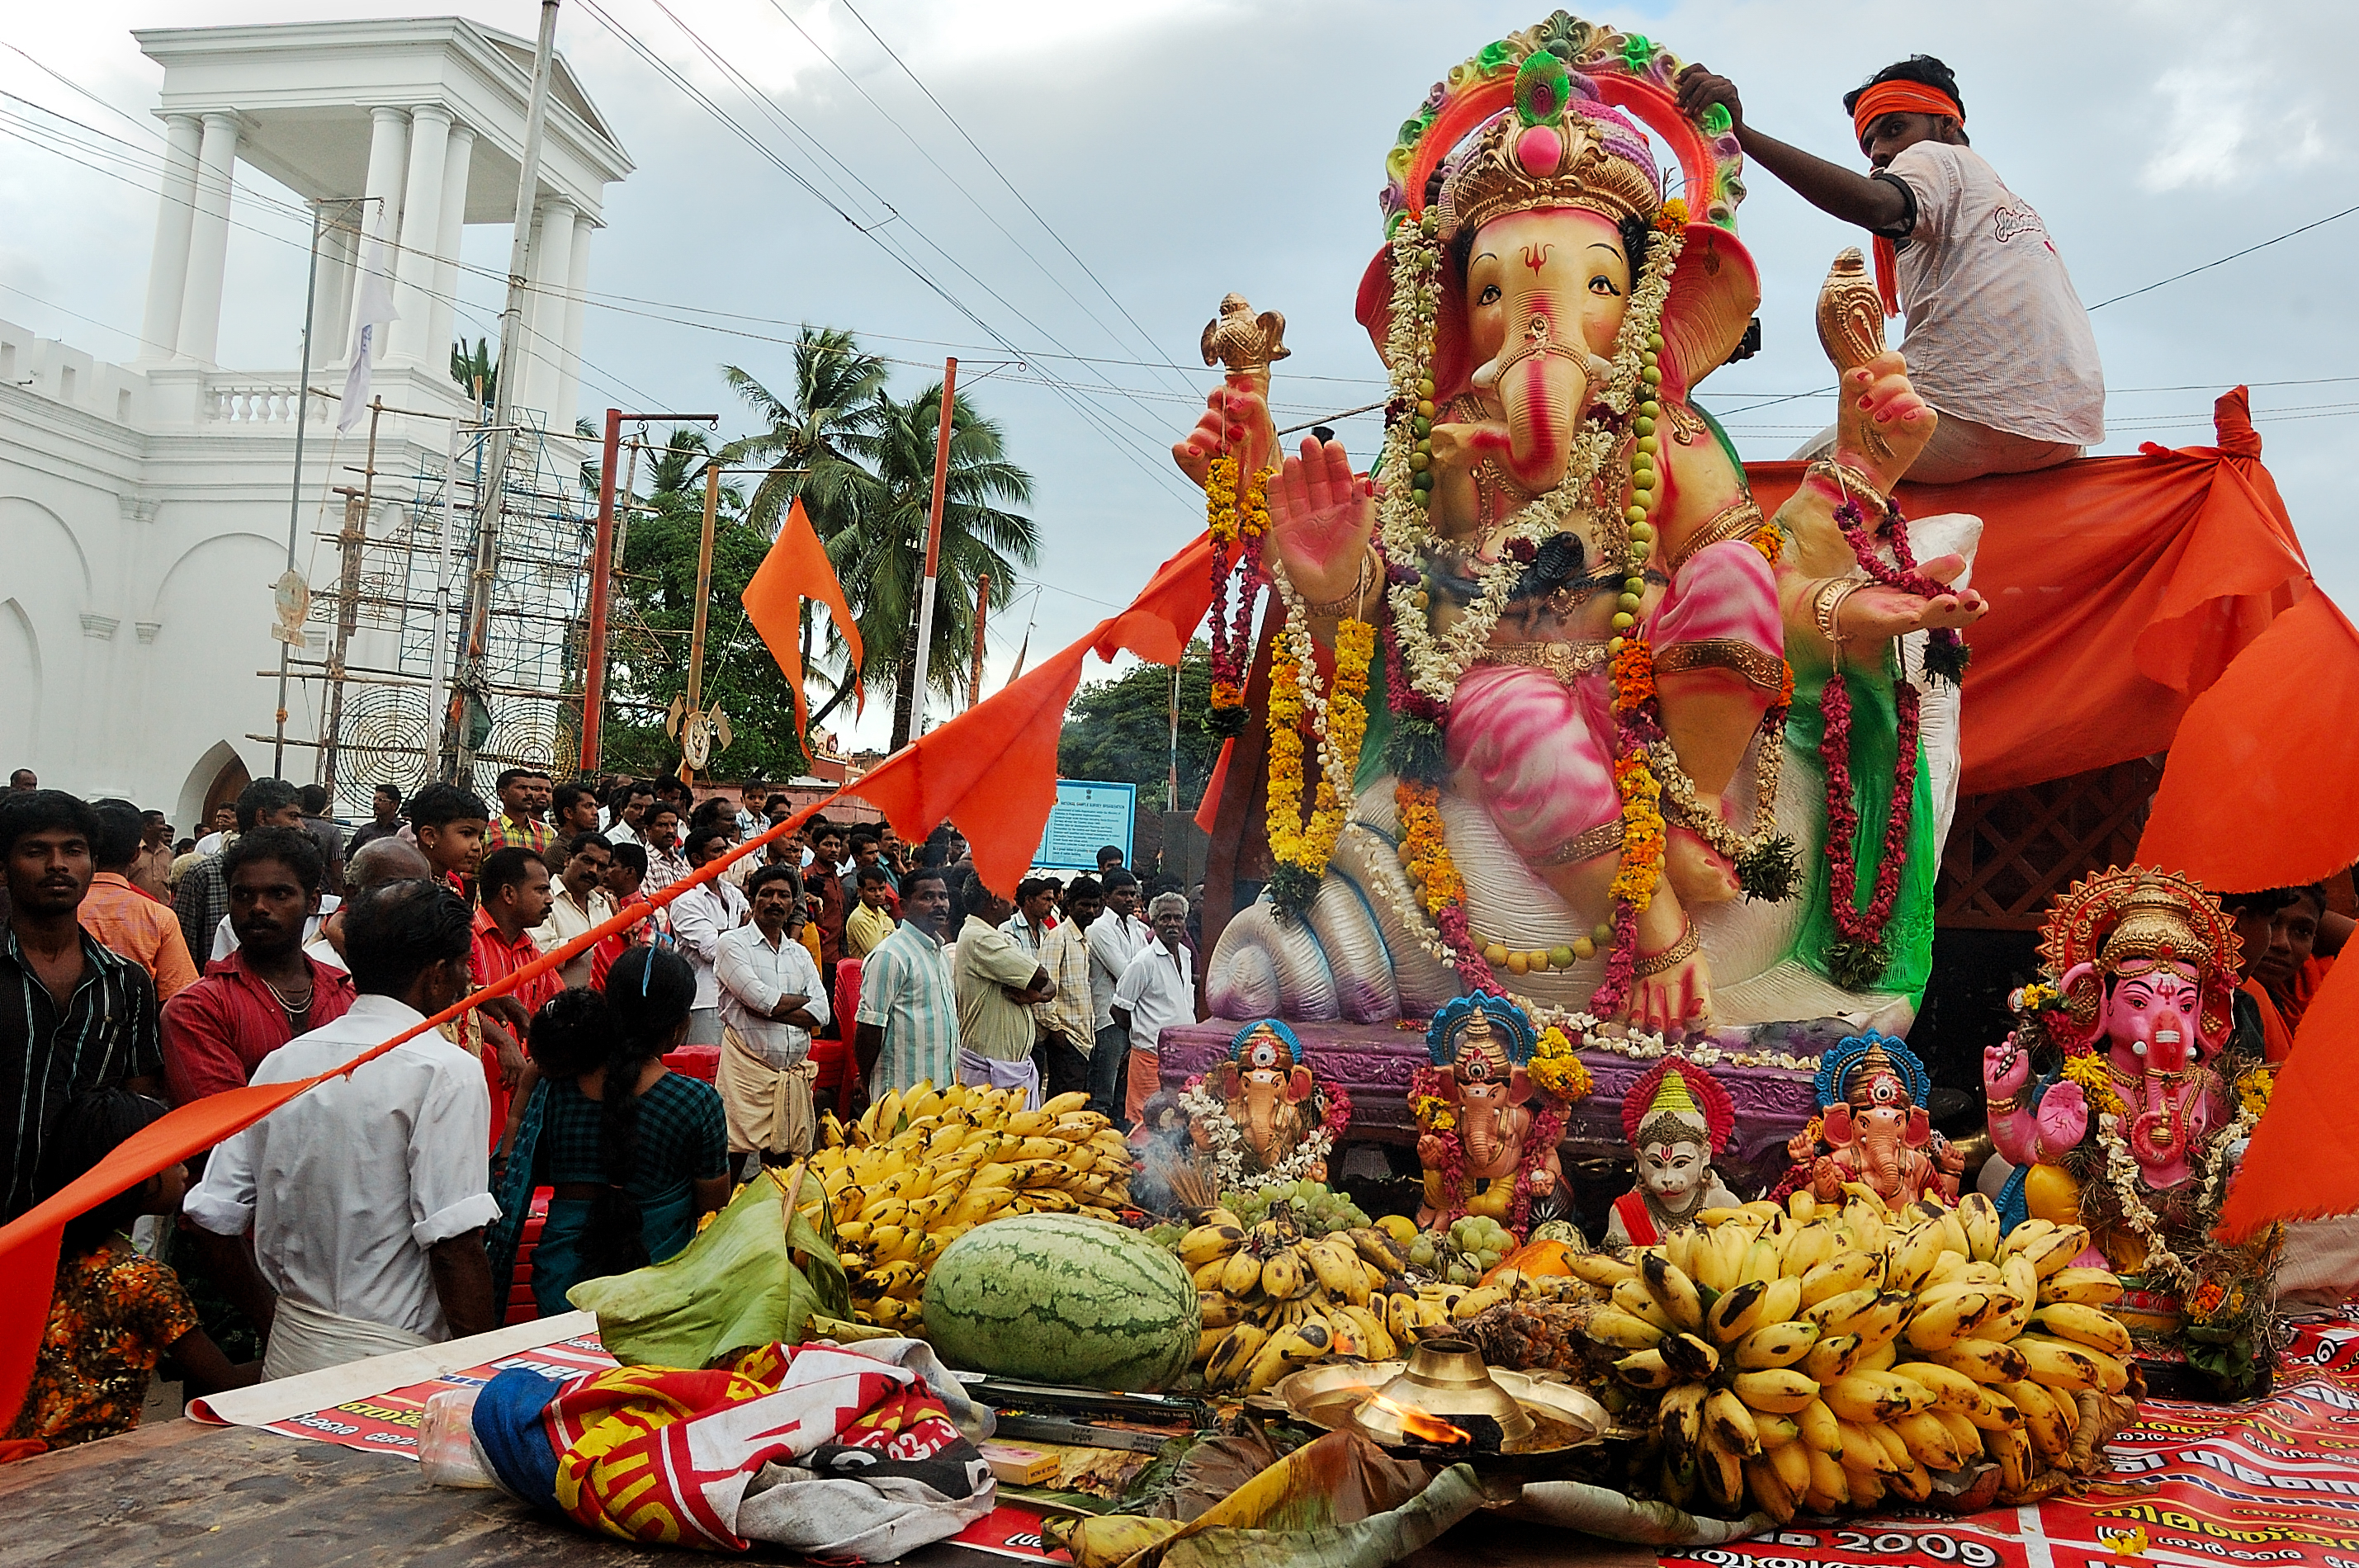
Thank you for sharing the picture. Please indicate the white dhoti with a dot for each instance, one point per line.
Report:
(306, 1338)
(769, 1109)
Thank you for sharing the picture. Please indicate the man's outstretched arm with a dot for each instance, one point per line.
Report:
(1876, 205)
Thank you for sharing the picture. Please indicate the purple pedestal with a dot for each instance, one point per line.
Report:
(1374, 1062)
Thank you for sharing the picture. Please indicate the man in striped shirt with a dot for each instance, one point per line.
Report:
(73, 1016)
(908, 1023)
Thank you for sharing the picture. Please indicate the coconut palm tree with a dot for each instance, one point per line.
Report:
(879, 552)
(476, 370)
(838, 392)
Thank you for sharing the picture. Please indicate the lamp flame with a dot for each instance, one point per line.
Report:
(1415, 1423)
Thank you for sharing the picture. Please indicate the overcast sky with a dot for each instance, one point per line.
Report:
(1166, 153)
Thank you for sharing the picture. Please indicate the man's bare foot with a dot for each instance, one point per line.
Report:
(1697, 872)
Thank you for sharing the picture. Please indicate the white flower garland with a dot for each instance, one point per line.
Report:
(1205, 1109)
(1585, 1031)
(2121, 1177)
(1435, 667)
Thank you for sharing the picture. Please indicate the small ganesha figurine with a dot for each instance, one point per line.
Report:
(1485, 1151)
(1676, 1117)
(1261, 1118)
(1874, 1127)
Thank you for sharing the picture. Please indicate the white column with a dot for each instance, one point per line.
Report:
(200, 296)
(552, 264)
(381, 217)
(456, 154)
(421, 218)
(339, 253)
(577, 280)
(167, 272)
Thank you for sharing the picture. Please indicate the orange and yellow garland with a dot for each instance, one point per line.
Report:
(1298, 850)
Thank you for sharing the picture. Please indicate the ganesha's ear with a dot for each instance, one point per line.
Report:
(1920, 1128)
(1714, 293)
(1519, 1085)
(1834, 1124)
(1298, 1084)
(1452, 361)
(1224, 1078)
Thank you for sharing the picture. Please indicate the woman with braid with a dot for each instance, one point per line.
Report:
(634, 1154)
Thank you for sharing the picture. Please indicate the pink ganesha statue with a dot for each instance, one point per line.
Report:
(1486, 1150)
(1874, 1129)
(1589, 633)
(2145, 963)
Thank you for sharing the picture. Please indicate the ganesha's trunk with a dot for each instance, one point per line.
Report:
(1482, 1138)
(1883, 1164)
(1543, 393)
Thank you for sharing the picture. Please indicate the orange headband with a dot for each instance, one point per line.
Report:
(1901, 98)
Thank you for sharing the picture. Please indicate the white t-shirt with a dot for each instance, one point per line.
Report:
(699, 918)
(1157, 990)
(347, 1185)
(1996, 331)
(1115, 940)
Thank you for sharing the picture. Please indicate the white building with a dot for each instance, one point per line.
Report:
(145, 507)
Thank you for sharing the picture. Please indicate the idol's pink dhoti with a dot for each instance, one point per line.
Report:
(1536, 749)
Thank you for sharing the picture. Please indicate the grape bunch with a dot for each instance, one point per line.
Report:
(1317, 1210)
(1469, 1250)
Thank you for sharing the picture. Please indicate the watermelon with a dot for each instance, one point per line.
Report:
(1059, 1298)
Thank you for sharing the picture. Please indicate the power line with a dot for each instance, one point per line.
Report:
(2223, 261)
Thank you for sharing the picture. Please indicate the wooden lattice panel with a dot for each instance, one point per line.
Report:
(2010, 852)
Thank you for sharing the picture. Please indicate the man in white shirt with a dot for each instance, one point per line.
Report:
(1031, 925)
(367, 1196)
(771, 1000)
(1157, 993)
(1998, 341)
(627, 806)
(699, 918)
(1116, 938)
(579, 903)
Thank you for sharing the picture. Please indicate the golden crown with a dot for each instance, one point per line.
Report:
(2154, 927)
(1511, 166)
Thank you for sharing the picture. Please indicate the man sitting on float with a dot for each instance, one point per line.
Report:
(1998, 341)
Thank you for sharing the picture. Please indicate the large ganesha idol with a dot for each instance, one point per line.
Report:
(2147, 1095)
(1551, 692)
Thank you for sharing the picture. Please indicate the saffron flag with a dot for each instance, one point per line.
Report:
(796, 569)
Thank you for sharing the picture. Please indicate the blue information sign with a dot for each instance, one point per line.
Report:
(1087, 817)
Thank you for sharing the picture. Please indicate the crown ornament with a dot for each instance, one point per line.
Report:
(1549, 152)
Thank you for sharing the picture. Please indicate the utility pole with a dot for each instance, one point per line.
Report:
(602, 561)
(491, 497)
(933, 552)
(349, 545)
(982, 609)
(295, 491)
(1174, 780)
(703, 593)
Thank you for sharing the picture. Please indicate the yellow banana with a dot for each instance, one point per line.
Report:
(1766, 1485)
(1866, 1217)
(1208, 1277)
(1765, 1259)
(1864, 1450)
(1792, 1463)
(2089, 1325)
(1338, 1269)
(1846, 1272)
(1737, 1313)
(1689, 1357)
(1964, 1436)
(1241, 1274)
(1779, 1391)
(1674, 1292)
(2084, 1287)
(1679, 1418)
(1912, 1256)
(1727, 1421)
(1064, 1104)
(1879, 1357)
(1951, 1389)
(1208, 1341)
(2012, 1450)
(1220, 1311)
(1872, 1396)
(1631, 1296)
(1601, 1268)
(1611, 1326)
(1836, 1313)
(1801, 1204)
(1376, 1247)
(1880, 1325)
(1820, 1427)
(1475, 1303)
(1722, 1472)
(2043, 1420)
(1286, 1276)
(1777, 1344)
(2058, 1364)
(2052, 1252)
(1776, 1431)
(1830, 1489)
(1943, 1320)
(1830, 1358)
(1930, 1442)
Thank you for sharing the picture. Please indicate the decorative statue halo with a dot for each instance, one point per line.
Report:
(1665, 1086)
(1508, 1022)
(1593, 75)
(1276, 1027)
(2141, 914)
(1837, 1068)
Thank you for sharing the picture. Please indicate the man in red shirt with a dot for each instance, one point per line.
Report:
(515, 886)
(217, 1031)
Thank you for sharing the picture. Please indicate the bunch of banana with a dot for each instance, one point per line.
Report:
(1825, 1356)
(921, 1168)
(1275, 1300)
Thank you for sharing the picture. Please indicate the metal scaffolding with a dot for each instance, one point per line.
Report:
(404, 703)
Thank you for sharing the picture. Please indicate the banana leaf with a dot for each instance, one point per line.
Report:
(1366, 1543)
(756, 1275)
(1598, 1510)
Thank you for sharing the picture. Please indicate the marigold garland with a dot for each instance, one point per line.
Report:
(1238, 527)
(1300, 850)
(1642, 831)
(2097, 1083)
(1557, 1069)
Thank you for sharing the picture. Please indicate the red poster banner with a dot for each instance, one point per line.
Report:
(388, 1422)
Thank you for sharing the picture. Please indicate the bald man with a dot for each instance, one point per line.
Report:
(378, 860)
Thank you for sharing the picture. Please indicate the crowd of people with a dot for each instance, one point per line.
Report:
(387, 1209)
